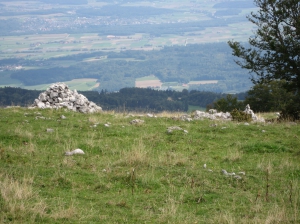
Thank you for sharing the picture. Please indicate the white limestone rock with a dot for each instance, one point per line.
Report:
(75, 151)
(59, 95)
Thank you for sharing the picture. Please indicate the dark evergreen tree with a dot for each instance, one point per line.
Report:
(272, 96)
(228, 103)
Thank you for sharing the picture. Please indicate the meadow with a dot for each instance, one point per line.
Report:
(143, 174)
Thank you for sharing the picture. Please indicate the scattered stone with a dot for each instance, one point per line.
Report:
(204, 166)
(40, 117)
(63, 117)
(50, 130)
(231, 174)
(150, 115)
(172, 128)
(75, 151)
(59, 95)
(137, 121)
(237, 177)
(263, 131)
(224, 172)
(106, 125)
(247, 124)
(185, 117)
(214, 116)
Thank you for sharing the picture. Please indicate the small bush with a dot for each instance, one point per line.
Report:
(240, 115)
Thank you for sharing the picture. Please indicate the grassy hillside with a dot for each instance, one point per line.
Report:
(141, 173)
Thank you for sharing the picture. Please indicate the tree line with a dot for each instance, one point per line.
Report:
(129, 99)
(262, 98)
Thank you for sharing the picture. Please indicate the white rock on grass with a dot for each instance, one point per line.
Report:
(75, 151)
(237, 177)
(173, 128)
(137, 121)
(224, 172)
(253, 116)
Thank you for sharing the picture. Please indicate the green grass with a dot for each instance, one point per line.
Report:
(142, 174)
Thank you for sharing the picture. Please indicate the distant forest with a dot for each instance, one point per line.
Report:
(180, 64)
(127, 99)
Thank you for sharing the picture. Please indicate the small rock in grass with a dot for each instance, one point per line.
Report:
(224, 172)
(136, 121)
(75, 151)
(237, 177)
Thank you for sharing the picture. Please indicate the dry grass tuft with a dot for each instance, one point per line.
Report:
(233, 155)
(276, 215)
(138, 155)
(17, 199)
(63, 212)
(173, 158)
(170, 210)
(13, 190)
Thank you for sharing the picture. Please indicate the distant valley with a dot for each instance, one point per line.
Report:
(47, 41)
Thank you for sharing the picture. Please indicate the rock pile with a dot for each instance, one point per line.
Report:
(213, 115)
(253, 116)
(59, 95)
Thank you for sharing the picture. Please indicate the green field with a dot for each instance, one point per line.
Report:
(143, 174)
(78, 84)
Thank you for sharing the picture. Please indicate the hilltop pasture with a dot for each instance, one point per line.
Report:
(141, 173)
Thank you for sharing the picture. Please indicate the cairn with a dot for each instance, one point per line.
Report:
(59, 95)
